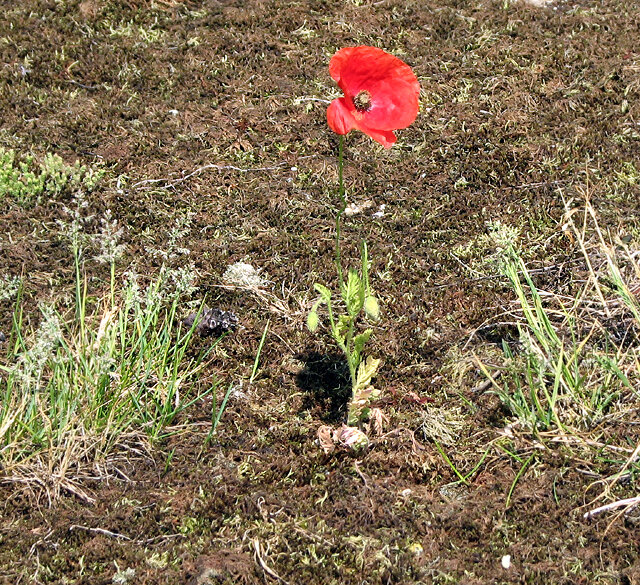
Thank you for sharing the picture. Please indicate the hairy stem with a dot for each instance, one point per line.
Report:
(343, 206)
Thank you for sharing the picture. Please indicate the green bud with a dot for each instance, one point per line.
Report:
(371, 308)
(312, 321)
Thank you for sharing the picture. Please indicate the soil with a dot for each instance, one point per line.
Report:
(216, 110)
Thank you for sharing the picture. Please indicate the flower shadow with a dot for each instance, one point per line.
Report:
(326, 384)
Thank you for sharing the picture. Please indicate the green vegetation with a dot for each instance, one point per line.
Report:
(359, 302)
(26, 180)
(81, 388)
(220, 115)
(575, 356)
(84, 385)
(572, 375)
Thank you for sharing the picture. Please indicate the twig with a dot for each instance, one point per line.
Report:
(362, 475)
(82, 85)
(312, 99)
(276, 305)
(540, 184)
(100, 531)
(161, 537)
(630, 503)
(258, 555)
(204, 168)
(579, 440)
(464, 281)
(486, 384)
(76, 491)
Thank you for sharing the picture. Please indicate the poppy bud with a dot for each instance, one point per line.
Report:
(312, 321)
(371, 308)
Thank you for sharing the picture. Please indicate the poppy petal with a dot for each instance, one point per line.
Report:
(338, 62)
(384, 137)
(340, 117)
(394, 105)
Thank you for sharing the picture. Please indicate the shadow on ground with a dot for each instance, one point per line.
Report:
(325, 380)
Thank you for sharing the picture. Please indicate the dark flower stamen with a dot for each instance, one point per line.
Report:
(362, 101)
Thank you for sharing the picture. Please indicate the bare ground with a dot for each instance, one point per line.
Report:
(215, 109)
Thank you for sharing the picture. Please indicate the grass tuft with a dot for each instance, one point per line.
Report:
(89, 386)
(573, 375)
(576, 355)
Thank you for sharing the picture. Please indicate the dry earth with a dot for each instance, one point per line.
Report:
(215, 111)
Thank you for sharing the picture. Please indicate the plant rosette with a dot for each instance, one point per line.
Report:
(344, 437)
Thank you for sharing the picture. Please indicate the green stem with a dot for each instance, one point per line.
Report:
(364, 256)
(112, 283)
(349, 353)
(343, 206)
(76, 264)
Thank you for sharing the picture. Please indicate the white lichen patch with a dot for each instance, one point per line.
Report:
(539, 3)
(356, 208)
(243, 274)
(442, 425)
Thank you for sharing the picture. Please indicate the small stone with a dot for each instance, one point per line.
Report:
(355, 208)
(380, 213)
(212, 322)
(539, 3)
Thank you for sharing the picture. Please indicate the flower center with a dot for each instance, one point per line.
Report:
(362, 101)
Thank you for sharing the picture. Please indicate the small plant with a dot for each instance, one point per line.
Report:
(26, 181)
(381, 95)
(9, 287)
(573, 376)
(358, 300)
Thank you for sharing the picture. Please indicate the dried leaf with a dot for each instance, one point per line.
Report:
(325, 438)
(378, 420)
(351, 437)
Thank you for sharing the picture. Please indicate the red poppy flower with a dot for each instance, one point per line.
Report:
(380, 93)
